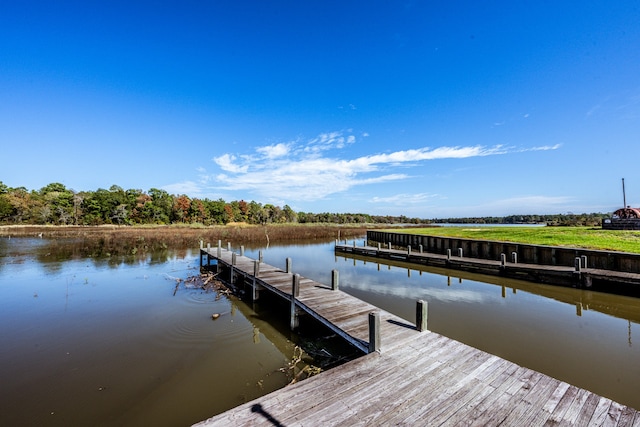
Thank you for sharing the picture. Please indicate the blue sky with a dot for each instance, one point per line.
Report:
(424, 108)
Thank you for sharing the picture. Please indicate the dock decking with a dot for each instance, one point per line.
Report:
(417, 378)
(578, 276)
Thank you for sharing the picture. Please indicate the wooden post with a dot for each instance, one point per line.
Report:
(256, 272)
(374, 332)
(288, 265)
(295, 290)
(503, 260)
(421, 249)
(219, 252)
(201, 244)
(460, 252)
(233, 263)
(514, 257)
(229, 246)
(584, 261)
(421, 315)
(448, 254)
(242, 250)
(577, 263)
(334, 280)
(354, 243)
(409, 250)
(389, 245)
(260, 256)
(379, 246)
(295, 285)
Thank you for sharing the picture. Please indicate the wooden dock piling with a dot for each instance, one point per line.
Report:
(374, 332)
(421, 315)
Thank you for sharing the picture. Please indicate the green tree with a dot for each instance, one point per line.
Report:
(216, 211)
(21, 204)
(161, 210)
(57, 204)
(198, 212)
(289, 214)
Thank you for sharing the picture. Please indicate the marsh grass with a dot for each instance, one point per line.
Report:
(575, 237)
(109, 241)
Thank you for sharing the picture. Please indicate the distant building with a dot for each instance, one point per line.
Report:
(623, 219)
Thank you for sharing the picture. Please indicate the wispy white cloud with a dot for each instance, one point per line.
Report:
(542, 148)
(303, 170)
(274, 151)
(227, 163)
(405, 199)
(328, 141)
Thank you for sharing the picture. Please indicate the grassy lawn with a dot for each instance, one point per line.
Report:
(577, 237)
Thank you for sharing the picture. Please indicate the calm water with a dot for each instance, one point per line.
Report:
(87, 342)
(90, 342)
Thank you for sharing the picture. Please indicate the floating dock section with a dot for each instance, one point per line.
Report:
(603, 271)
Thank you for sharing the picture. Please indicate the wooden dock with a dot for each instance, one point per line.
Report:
(577, 276)
(407, 377)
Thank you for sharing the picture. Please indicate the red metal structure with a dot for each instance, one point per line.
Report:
(627, 213)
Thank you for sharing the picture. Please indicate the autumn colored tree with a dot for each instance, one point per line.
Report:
(198, 213)
(181, 207)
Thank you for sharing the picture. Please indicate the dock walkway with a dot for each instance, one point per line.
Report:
(579, 275)
(416, 378)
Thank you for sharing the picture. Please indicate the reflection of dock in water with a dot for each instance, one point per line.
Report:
(577, 276)
(406, 377)
(623, 307)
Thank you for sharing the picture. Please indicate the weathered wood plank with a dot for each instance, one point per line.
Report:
(477, 413)
(510, 397)
(366, 398)
(562, 406)
(528, 409)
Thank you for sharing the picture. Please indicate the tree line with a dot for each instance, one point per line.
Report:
(569, 219)
(56, 204)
